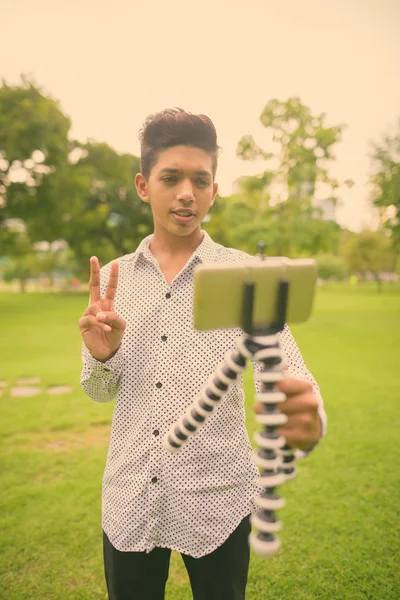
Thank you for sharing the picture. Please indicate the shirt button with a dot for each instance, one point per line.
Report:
(159, 385)
(168, 295)
(154, 480)
(156, 432)
(164, 338)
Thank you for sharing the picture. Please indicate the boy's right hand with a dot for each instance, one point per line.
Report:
(102, 330)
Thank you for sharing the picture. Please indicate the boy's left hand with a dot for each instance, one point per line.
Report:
(303, 427)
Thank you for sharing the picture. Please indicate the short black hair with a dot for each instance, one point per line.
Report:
(176, 127)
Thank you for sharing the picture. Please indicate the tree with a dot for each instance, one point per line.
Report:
(303, 149)
(22, 263)
(369, 252)
(246, 214)
(304, 146)
(106, 217)
(330, 266)
(215, 223)
(83, 193)
(33, 144)
(54, 260)
(385, 181)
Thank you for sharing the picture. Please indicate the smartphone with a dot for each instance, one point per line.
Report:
(218, 291)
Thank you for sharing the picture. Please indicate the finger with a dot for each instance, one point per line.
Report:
(293, 386)
(302, 403)
(112, 319)
(303, 421)
(92, 309)
(89, 321)
(259, 408)
(112, 282)
(294, 437)
(94, 281)
(301, 436)
(294, 404)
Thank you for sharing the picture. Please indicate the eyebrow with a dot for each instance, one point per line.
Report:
(169, 170)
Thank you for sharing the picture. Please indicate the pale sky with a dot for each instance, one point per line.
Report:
(110, 64)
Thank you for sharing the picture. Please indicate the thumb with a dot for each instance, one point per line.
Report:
(111, 319)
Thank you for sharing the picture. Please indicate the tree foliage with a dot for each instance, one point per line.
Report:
(369, 252)
(277, 205)
(386, 184)
(23, 262)
(303, 146)
(330, 267)
(54, 188)
(104, 215)
(83, 193)
(33, 143)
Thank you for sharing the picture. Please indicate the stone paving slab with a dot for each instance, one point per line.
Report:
(59, 389)
(19, 392)
(28, 381)
(26, 387)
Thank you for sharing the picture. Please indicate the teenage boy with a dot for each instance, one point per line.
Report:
(140, 346)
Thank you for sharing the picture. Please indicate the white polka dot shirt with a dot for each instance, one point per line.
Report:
(190, 501)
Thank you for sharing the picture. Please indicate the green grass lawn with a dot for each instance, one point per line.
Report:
(341, 522)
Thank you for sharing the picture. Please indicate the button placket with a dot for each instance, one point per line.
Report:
(159, 385)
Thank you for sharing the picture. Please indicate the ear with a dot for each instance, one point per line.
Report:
(141, 187)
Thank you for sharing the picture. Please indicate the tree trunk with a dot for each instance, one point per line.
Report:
(22, 286)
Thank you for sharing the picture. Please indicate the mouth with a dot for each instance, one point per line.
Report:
(183, 215)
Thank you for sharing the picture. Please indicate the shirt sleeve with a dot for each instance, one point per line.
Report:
(296, 367)
(99, 380)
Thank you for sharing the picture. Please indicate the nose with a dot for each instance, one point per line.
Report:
(185, 193)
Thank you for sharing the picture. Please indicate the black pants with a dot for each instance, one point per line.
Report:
(220, 575)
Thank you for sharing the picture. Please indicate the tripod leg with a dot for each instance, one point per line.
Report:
(271, 456)
(211, 395)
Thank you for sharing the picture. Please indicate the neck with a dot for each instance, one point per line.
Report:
(164, 243)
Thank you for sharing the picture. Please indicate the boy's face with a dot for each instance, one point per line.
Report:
(181, 180)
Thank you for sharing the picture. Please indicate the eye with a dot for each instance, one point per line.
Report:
(169, 179)
(202, 182)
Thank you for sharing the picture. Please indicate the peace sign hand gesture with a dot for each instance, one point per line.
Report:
(102, 330)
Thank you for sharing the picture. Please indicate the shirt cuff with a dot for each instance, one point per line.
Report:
(112, 365)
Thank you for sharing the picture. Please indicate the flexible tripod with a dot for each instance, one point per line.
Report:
(274, 457)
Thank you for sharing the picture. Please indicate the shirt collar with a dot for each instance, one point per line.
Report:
(204, 252)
